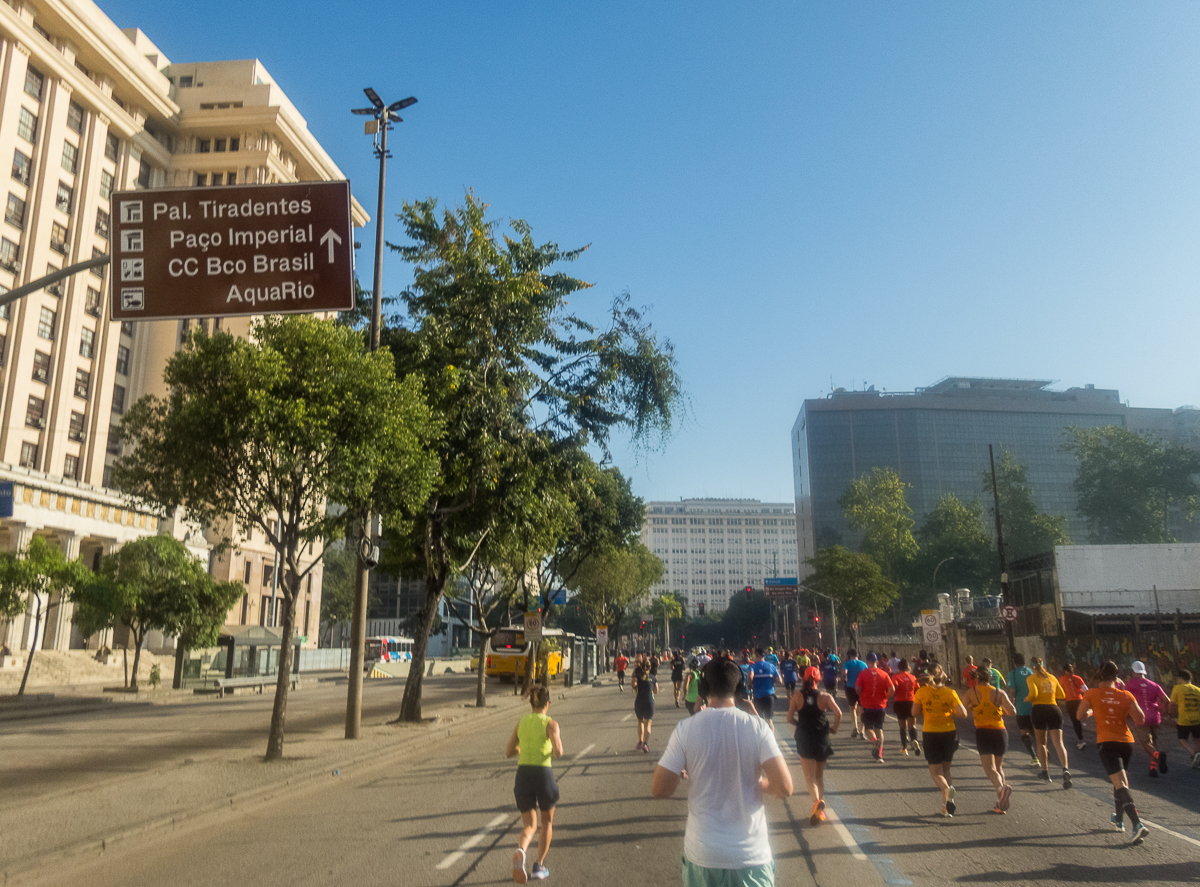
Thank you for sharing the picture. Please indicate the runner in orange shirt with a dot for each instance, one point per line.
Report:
(1073, 686)
(1115, 743)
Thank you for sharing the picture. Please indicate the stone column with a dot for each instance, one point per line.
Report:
(16, 631)
(58, 623)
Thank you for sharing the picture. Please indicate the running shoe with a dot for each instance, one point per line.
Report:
(997, 809)
(950, 805)
(875, 753)
(904, 751)
(638, 747)
(818, 813)
(1162, 761)
(1196, 761)
(1080, 745)
(916, 747)
(1044, 776)
(1005, 797)
(519, 867)
(1139, 834)
(946, 813)
(539, 872)
(1120, 826)
(1066, 779)
(645, 748)
(1034, 762)
(1153, 772)
(854, 734)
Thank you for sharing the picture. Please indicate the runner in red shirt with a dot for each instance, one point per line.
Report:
(620, 662)
(1073, 685)
(906, 688)
(874, 688)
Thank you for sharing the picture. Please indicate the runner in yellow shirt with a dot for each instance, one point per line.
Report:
(1185, 706)
(1044, 693)
(937, 705)
(990, 705)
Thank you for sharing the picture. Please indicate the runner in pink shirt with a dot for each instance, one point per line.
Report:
(1153, 701)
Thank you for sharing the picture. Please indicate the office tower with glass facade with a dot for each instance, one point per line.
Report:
(937, 439)
(714, 548)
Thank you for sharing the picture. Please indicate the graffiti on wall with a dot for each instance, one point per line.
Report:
(1164, 652)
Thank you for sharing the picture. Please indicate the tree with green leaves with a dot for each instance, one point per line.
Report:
(1027, 531)
(611, 583)
(263, 434)
(1128, 481)
(337, 587)
(876, 505)
(747, 619)
(853, 580)
(29, 579)
(155, 584)
(520, 381)
(955, 543)
(666, 607)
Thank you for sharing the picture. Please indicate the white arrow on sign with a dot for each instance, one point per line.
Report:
(330, 237)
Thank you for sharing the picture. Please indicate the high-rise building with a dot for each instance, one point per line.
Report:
(715, 548)
(937, 439)
(87, 109)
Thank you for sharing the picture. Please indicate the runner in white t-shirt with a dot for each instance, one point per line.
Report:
(732, 761)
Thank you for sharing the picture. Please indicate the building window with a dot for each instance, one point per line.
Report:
(22, 167)
(34, 83)
(268, 573)
(29, 454)
(234, 144)
(75, 118)
(218, 178)
(27, 125)
(41, 366)
(71, 467)
(87, 343)
(46, 323)
(35, 412)
(107, 477)
(114, 442)
(75, 429)
(245, 607)
(203, 146)
(83, 383)
(186, 80)
(219, 145)
(14, 213)
(118, 402)
(91, 304)
(246, 574)
(65, 197)
(56, 288)
(70, 158)
(106, 184)
(112, 146)
(102, 223)
(8, 254)
(143, 179)
(58, 242)
(201, 180)
(122, 360)
(3, 349)
(99, 269)
(231, 178)
(127, 328)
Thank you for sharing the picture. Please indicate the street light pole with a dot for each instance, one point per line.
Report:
(384, 116)
(938, 567)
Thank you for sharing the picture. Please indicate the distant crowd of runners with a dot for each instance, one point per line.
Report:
(737, 736)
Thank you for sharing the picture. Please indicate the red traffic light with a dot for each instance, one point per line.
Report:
(816, 620)
(749, 591)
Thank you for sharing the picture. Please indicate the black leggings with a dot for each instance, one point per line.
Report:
(1073, 714)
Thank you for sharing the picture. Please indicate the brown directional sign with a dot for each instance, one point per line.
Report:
(219, 252)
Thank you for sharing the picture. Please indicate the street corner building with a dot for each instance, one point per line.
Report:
(87, 109)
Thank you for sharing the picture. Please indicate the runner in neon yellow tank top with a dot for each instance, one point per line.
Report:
(535, 740)
(989, 705)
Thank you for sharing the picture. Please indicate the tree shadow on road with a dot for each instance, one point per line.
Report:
(1165, 873)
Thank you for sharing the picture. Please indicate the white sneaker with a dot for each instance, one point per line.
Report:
(518, 870)
(1196, 761)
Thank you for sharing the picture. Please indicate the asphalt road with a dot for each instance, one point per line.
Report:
(444, 815)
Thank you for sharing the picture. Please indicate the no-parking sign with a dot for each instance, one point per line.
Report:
(533, 626)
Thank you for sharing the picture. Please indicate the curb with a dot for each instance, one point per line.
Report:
(254, 798)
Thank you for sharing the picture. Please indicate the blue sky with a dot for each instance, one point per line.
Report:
(801, 193)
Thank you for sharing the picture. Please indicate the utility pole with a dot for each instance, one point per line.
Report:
(1005, 591)
(384, 116)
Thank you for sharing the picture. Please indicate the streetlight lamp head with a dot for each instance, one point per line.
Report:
(402, 104)
(363, 111)
(373, 98)
(394, 117)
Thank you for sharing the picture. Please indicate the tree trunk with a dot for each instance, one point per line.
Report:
(435, 583)
(137, 656)
(37, 622)
(284, 679)
(177, 677)
(480, 679)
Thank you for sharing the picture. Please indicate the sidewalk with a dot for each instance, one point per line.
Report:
(139, 784)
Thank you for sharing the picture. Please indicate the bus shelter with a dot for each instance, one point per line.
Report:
(253, 651)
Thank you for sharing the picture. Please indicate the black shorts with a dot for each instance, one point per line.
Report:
(765, 706)
(813, 747)
(872, 718)
(1115, 756)
(789, 686)
(939, 748)
(691, 707)
(830, 686)
(535, 787)
(903, 709)
(1047, 717)
(991, 741)
(852, 696)
(644, 710)
(1073, 709)
(1025, 722)
(1185, 731)
(621, 674)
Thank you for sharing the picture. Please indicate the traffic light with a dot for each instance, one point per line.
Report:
(816, 619)
(749, 591)
(702, 609)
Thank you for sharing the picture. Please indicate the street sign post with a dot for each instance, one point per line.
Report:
(601, 636)
(533, 626)
(241, 250)
(781, 587)
(1009, 612)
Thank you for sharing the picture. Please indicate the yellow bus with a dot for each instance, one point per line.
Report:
(508, 651)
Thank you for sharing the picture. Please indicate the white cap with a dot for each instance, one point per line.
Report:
(1139, 667)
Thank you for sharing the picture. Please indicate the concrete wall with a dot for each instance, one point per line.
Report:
(1126, 576)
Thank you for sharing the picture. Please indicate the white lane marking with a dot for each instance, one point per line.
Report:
(627, 717)
(844, 834)
(1173, 834)
(575, 760)
(473, 840)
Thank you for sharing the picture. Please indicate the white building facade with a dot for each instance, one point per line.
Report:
(715, 548)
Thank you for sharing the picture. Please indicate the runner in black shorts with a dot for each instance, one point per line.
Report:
(938, 705)
(536, 740)
(1114, 742)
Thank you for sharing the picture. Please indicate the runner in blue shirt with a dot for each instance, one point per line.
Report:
(787, 668)
(829, 673)
(771, 657)
(766, 676)
(853, 668)
(1016, 679)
